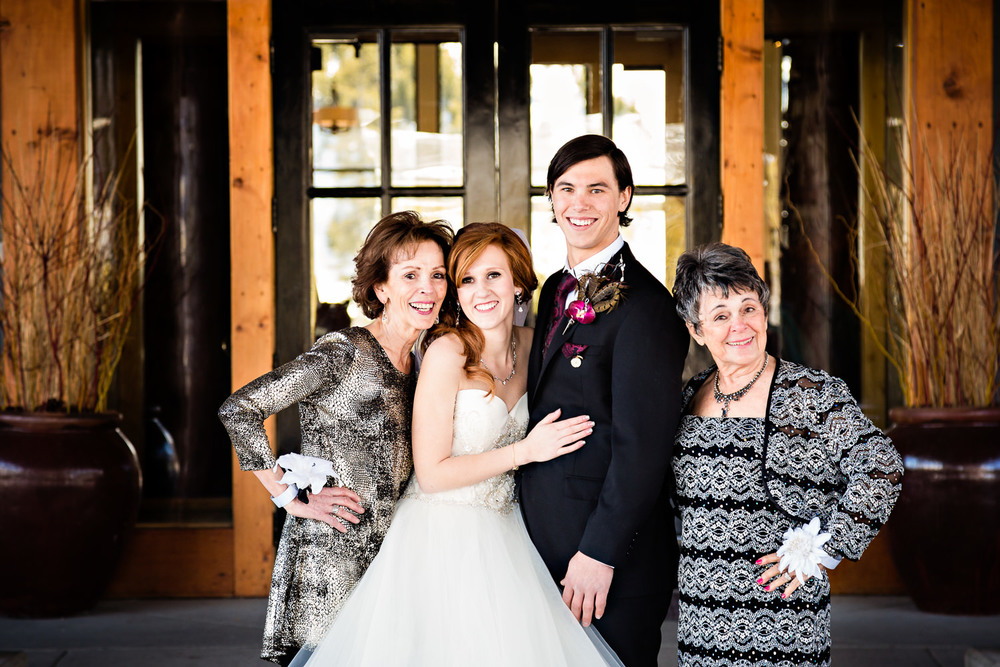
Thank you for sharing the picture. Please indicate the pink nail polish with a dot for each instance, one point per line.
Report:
(759, 560)
(784, 595)
(760, 581)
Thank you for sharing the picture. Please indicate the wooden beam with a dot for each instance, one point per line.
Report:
(742, 126)
(251, 189)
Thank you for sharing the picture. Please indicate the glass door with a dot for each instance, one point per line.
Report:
(381, 143)
(649, 81)
(454, 112)
(628, 84)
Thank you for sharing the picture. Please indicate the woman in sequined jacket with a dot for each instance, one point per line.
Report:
(778, 476)
(354, 390)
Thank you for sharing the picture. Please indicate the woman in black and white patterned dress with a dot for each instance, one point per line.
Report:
(779, 475)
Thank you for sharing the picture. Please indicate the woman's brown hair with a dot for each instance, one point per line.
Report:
(469, 244)
(394, 234)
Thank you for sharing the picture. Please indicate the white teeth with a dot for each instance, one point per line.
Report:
(483, 307)
(422, 307)
(746, 342)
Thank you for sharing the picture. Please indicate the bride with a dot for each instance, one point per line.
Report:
(457, 580)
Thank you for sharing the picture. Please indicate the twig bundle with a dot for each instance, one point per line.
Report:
(71, 275)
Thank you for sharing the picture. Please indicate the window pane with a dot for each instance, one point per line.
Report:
(433, 208)
(346, 112)
(548, 246)
(339, 227)
(427, 114)
(648, 89)
(565, 92)
(656, 235)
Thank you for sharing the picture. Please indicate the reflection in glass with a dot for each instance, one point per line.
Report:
(565, 92)
(656, 236)
(449, 209)
(427, 113)
(648, 89)
(339, 227)
(346, 112)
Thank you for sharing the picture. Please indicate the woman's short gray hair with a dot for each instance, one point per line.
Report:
(711, 267)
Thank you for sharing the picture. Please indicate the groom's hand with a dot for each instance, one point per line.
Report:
(585, 587)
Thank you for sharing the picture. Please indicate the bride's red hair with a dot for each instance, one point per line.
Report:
(469, 244)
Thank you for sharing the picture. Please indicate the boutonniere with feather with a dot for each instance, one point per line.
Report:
(596, 293)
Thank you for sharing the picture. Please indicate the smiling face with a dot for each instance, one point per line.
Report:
(486, 291)
(415, 288)
(586, 202)
(734, 328)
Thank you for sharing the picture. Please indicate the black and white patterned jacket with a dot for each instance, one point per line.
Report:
(824, 458)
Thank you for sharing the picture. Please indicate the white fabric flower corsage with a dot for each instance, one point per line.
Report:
(802, 551)
(304, 471)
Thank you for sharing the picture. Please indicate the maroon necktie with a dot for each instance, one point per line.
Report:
(558, 307)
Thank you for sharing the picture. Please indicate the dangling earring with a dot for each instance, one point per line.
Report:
(519, 300)
(458, 315)
(385, 312)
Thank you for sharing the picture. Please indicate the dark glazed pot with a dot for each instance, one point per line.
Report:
(945, 529)
(69, 491)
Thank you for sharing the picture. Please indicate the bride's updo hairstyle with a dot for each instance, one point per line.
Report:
(470, 242)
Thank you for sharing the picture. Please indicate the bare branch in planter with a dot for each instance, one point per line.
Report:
(71, 276)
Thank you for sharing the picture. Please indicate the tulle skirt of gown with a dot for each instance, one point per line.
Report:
(457, 582)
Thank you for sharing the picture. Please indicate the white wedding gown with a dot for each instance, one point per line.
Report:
(457, 580)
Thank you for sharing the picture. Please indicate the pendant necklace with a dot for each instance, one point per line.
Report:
(513, 365)
(726, 399)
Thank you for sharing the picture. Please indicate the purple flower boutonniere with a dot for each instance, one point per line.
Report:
(595, 293)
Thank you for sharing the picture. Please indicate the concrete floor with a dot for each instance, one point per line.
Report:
(867, 632)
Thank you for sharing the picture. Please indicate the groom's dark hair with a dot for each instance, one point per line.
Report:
(588, 147)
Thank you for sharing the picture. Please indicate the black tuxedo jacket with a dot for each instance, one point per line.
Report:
(609, 499)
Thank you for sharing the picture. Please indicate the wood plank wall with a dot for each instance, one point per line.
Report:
(251, 190)
(742, 126)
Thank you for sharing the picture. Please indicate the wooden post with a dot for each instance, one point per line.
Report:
(40, 93)
(251, 190)
(949, 62)
(40, 72)
(871, 253)
(742, 123)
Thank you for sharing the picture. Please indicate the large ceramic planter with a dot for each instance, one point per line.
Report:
(69, 491)
(945, 529)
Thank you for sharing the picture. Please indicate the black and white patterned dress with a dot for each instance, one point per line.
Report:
(740, 484)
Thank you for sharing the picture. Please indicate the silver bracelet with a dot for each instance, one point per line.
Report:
(286, 497)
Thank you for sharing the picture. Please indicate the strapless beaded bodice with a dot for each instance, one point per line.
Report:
(481, 423)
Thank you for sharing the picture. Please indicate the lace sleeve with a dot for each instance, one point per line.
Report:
(873, 470)
(244, 412)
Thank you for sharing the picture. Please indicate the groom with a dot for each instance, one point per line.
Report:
(599, 517)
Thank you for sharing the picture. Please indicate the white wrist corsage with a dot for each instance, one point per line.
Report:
(802, 551)
(304, 471)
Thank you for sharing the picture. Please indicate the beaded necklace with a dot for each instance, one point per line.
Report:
(726, 399)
